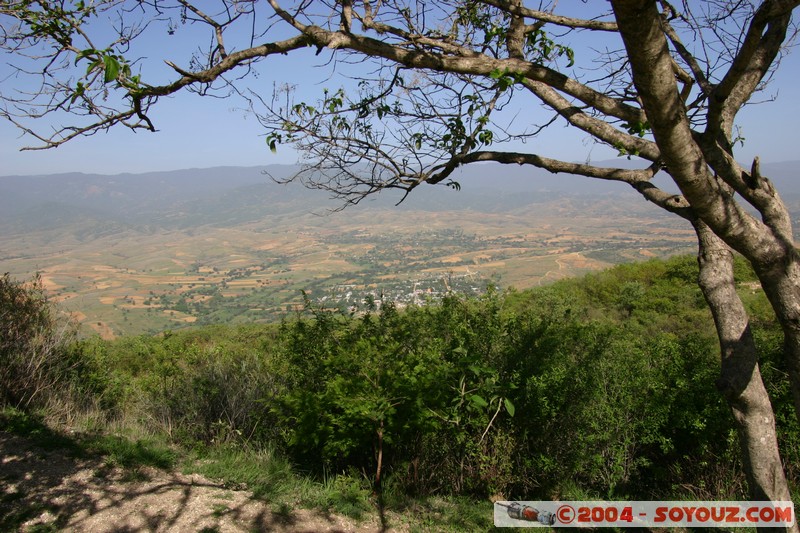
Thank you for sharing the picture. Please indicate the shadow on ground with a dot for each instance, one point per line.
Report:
(49, 483)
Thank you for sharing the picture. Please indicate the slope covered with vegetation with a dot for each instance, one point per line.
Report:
(602, 386)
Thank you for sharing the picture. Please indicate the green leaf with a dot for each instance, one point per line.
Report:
(478, 401)
(112, 68)
(84, 53)
(509, 407)
(496, 74)
(571, 56)
(272, 142)
(94, 65)
(80, 90)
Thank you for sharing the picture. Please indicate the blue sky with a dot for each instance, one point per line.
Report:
(197, 132)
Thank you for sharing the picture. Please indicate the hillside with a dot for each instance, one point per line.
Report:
(137, 253)
(420, 416)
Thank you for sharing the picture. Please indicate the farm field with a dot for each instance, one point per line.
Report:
(144, 278)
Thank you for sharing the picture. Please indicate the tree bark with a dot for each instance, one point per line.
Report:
(740, 378)
(780, 280)
(769, 247)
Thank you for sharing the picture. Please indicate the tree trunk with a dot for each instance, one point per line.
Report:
(767, 242)
(781, 282)
(377, 485)
(740, 378)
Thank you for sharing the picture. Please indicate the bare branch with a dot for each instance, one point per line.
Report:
(516, 8)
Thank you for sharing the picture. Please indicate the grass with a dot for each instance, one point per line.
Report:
(449, 515)
(12, 521)
(118, 450)
(265, 473)
(271, 477)
(345, 494)
(130, 454)
(219, 509)
(33, 427)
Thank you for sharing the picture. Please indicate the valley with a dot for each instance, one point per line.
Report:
(255, 252)
(136, 282)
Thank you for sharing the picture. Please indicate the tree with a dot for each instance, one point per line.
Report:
(438, 87)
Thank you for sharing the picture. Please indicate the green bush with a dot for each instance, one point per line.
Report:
(358, 390)
(34, 362)
(208, 388)
(600, 386)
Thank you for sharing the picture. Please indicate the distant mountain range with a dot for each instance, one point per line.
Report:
(227, 196)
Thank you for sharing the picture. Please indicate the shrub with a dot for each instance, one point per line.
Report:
(34, 359)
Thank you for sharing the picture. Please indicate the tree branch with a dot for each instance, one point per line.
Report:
(516, 8)
(640, 25)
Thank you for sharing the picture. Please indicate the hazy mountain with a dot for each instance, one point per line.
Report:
(127, 196)
(220, 196)
(512, 178)
(227, 196)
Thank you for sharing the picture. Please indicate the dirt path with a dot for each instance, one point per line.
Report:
(49, 491)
